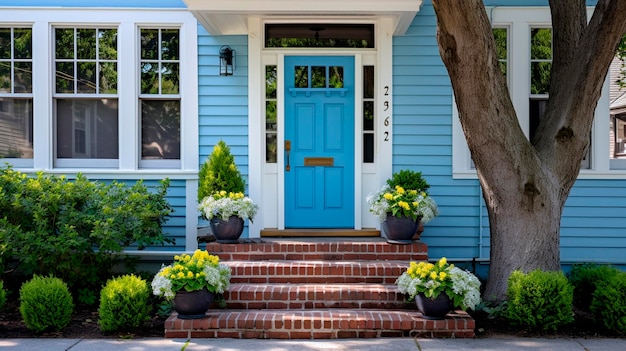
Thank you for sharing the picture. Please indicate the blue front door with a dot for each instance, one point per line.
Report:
(319, 142)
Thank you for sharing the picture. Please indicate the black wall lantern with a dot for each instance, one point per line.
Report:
(227, 61)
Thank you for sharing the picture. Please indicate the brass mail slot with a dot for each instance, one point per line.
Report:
(319, 161)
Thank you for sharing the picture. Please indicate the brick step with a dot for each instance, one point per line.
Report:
(303, 272)
(318, 324)
(342, 249)
(315, 296)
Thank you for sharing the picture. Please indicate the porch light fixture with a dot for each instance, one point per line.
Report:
(227, 61)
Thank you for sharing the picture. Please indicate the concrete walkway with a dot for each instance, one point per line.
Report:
(380, 344)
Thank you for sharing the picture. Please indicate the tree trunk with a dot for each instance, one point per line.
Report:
(525, 185)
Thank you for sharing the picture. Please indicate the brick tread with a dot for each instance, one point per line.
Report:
(302, 272)
(318, 324)
(307, 296)
(265, 249)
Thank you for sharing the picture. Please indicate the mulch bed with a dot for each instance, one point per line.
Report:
(84, 324)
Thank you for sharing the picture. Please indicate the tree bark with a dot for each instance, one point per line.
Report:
(525, 184)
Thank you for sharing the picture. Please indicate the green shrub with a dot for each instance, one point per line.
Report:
(608, 304)
(219, 172)
(3, 295)
(409, 179)
(539, 300)
(124, 303)
(74, 229)
(45, 304)
(585, 278)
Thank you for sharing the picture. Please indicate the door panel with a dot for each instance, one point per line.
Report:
(319, 124)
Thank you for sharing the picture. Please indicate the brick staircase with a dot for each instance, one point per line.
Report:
(322, 288)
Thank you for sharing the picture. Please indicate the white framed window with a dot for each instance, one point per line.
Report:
(16, 95)
(111, 89)
(528, 58)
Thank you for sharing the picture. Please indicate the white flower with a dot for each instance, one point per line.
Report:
(162, 285)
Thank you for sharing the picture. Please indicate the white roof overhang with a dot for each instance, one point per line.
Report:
(229, 17)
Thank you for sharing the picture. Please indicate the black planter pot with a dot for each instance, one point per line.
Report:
(227, 231)
(192, 304)
(400, 230)
(435, 308)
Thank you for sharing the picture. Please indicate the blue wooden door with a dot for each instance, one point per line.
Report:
(319, 142)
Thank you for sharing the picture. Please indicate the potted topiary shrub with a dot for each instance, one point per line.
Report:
(220, 193)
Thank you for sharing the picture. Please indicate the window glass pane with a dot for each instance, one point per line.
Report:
(149, 44)
(64, 43)
(270, 115)
(368, 148)
(335, 74)
(108, 78)
(169, 44)
(5, 43)
(65, 77)
(368, 115)
(270, 149)
(301, 79)
(23, 43)
(87, 77)
(318, 77)
(149, 78)
(87, 129)
(541, 44)
(618, 136)
(270, 82)
(319, 35)
(86, 44)
(23, 77)
(540, 77)
(160, 129)
(16, 119)
(107, 40)
(5, 77)
(368, 82)
(170, 78)
(500, 36)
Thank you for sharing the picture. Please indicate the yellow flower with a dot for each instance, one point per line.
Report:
(433, 275)
(404, 205)
(442, 276)
(399, 189)
(180, 275)
(442, 262)
(388, 196)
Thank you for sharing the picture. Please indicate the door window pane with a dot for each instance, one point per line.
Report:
(358, 36)
(270, 114)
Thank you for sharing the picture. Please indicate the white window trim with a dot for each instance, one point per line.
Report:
(128, 22)
(519, 20)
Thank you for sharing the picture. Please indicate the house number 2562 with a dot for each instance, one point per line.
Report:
(387, 112)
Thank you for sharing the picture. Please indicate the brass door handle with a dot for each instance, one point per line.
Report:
(287, 151)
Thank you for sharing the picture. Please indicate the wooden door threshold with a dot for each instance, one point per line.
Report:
(272, 232)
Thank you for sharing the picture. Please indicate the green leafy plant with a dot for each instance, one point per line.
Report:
(608, 303)
(192, 272)
(432, 279)
(3, 295)
(539, 300)
(409, 179)
(223, 205)
(45, 304)
(124, 304)
(74, 229)
(220, 172)
(585, 278)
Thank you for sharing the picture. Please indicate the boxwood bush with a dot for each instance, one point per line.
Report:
(585, 278)
(45, 304)
(3, 295)
(540, 301)
(124, 304)
(74, 229)
(608, 303)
